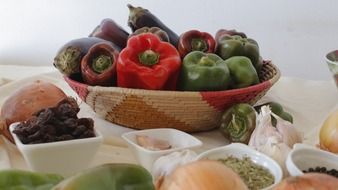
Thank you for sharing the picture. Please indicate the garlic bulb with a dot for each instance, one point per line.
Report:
(166, 164)
(275, 142)
(264, 129)
(277, 150)
(288, 132)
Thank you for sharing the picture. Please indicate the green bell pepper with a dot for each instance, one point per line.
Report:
(277, 109)
(238, 123)
(204, 72)
(115, 176)
(242, 72)
(26, 180)
(235, 45)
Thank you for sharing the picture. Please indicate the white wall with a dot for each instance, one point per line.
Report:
(295, 34)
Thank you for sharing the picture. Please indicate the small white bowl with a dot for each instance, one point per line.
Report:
(62, 157)
(240, 150)
(302, 157)
(179, 140)
(332, 63)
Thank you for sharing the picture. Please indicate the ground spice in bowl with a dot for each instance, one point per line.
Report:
(254, 176)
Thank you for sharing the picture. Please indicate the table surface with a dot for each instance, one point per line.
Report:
(308, 101)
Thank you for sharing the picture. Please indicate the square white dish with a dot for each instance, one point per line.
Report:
(61, 157)
(178, 140)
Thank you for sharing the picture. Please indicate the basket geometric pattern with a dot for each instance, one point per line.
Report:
(186, 111)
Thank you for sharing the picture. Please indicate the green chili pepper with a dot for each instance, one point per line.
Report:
(204, 72)
(277, 109)
(26, 180)
(235, 45)
(110, 176)
(242, 72)
(238, 123)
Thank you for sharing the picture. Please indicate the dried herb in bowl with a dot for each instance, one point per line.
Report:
(254, 176)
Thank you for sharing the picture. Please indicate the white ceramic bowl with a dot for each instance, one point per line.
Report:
(302, 157)
(179, 140)
(240, 150)
(332, 63)
(62, 157)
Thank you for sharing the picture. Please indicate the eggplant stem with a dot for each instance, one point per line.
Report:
(68, 60)
(130, 6)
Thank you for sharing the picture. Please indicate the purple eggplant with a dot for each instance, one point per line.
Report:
(111, 31)
(140, 17)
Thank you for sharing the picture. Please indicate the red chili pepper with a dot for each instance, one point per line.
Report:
(148, 63)
(195, 40)
(98, 66)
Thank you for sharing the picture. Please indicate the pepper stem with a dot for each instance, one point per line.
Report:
(101, 63)
(239, 38)
(148, 57)
(238, 126)
(206, 61)
(199, 44)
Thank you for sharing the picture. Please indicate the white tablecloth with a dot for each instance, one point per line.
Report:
(308, 101)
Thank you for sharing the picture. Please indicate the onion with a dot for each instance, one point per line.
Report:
(26, 101)
(328, 136)
(202, 175)
(309, 181)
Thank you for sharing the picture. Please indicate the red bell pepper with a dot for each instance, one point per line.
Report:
(148, 63)
(98, 66)
(195, 40)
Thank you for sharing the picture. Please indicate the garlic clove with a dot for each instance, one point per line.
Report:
(277, 150)
(164, 165)
(152, 143)
(289, 133)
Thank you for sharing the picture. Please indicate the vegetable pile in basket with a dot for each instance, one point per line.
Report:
(154, 57)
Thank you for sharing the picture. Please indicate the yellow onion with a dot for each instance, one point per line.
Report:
(309, 181)
(202, 175)
(27, 100)
(328, 136)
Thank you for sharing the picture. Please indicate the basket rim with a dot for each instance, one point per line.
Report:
(269, 82)
(277, 76)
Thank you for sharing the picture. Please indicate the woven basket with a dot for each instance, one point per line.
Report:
(186, 111)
